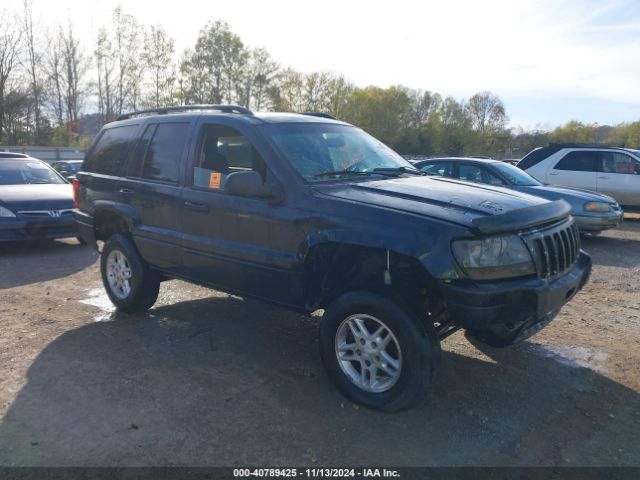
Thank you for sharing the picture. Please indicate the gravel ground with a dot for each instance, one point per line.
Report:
(209, 379)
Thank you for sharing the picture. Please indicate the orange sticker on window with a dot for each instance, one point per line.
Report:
(214, 180)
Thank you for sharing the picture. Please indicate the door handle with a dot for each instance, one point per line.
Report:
(604, 177)
(126, 192)
(196, 207)
(553, 173)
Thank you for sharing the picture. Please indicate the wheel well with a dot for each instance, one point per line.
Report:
(109, 223)
(332, 269)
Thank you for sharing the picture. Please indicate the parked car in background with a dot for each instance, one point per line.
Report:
(609, 170)
(35, 201)
(592, 211)
(310, 213)
(511, 161)
(67, 168)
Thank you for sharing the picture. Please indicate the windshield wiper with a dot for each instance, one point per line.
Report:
(341, 172)
(398, 170)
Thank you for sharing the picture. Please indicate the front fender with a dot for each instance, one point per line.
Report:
(430, 247)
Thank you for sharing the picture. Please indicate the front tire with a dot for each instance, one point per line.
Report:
(376, 352)
(131, 285)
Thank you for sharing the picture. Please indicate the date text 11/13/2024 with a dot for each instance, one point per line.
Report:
(316, 472)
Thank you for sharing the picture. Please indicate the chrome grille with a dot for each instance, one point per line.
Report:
(555, 250)
(46, 213)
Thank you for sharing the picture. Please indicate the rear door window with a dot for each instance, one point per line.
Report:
(110, 152)
(164, 153)
(579, 161)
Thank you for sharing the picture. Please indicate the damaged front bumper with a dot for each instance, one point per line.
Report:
(478, 305)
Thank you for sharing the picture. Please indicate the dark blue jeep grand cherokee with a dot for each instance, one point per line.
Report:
(312, 213)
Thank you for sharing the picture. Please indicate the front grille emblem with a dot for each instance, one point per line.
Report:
(54, 213)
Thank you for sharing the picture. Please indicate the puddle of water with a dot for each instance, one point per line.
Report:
(576, 357)
(97, 297)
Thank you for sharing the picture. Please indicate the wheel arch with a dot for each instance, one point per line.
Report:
(111, 218)
(336, 265)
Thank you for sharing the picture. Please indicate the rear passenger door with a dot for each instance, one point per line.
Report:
(576, 169)
(152, 188)
(228, 239)
(619, 177)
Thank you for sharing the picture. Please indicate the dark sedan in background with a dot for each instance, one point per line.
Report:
(67, 168)
(592, 211)
(35, 201)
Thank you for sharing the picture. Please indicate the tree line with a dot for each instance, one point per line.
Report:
(55, 90)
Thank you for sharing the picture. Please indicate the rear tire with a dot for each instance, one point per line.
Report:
(377, 353)
(131, 285)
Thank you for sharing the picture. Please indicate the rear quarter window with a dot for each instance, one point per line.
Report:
(535, 156)
(110, 151)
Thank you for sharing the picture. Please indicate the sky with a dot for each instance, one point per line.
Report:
(550, 61)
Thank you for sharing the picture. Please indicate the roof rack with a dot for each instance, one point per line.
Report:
(319, 114)
(582, 145)
(186, 108)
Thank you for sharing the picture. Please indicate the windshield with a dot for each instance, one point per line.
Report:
(321, 152)
(17, 172)
(515, 176)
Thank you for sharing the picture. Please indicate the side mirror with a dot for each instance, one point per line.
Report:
(247, 184)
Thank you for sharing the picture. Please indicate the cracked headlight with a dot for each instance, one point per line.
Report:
(493, 258)
(6, 213)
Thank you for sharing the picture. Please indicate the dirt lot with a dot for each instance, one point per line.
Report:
(209, 379)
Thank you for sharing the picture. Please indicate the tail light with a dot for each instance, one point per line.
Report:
(76, 191)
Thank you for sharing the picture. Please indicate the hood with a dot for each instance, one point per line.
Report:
(575, 196)
(443, 198)
(37, 197)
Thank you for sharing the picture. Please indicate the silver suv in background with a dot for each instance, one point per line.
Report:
(608, 170)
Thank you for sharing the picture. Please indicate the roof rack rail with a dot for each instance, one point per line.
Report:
(581, 145)
(186, 108)
(319, 114)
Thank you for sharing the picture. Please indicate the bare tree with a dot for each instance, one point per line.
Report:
(487, 112)
(105, 66)
(32, 63)
(157, 54)
(54, 88)
(10, 50)
(75, 68)
(260, 73)
(130, 70)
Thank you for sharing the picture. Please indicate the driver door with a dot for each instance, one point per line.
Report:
(227, 238)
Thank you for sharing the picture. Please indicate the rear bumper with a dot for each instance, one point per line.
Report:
(592, 223)
(84, 225)
(46, 228)
(476, 305)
